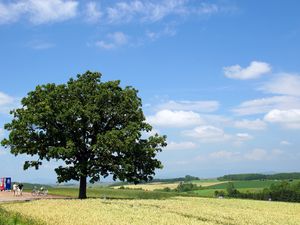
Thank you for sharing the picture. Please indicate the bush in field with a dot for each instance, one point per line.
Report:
(231, 190)
(184, 187)
(219, 193)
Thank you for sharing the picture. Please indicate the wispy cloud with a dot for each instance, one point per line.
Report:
(93, 12)
(284, 84)
(285, 143)
(256, 124)
(40, 45)
(264, 105)
(38, 11)
(113, 41)
(198, 106)
(7, 103)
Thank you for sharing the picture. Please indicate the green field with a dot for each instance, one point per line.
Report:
(246, 184)
(111, 193)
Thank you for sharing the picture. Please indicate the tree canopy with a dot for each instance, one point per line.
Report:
(95, 127)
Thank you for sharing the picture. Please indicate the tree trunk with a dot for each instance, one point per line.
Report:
(82, 187)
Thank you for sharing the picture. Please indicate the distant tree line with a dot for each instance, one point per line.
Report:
(257, 176)
(284, 191)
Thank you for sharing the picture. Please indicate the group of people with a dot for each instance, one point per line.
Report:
(18, 189)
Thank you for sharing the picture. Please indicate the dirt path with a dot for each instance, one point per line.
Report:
(9, 197)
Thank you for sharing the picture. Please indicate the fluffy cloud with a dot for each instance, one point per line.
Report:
(169, 118)
(285, 84)
(115, 40)
(207, 133)
(253, 71)
(264, 105)
(186, 145)
(287, 118)
(199, 106)
(38, 11)
(257, 124)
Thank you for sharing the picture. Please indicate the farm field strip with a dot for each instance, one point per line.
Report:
(175, 211)
(162, 185)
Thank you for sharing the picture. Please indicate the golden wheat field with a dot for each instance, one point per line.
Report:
(176, 211)
(160, 185)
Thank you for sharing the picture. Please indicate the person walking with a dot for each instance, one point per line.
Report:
(21, 188)
(15, 186)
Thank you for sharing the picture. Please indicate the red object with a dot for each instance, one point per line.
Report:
(2, 182)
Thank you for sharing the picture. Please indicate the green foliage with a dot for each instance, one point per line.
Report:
(219, 193)
(231, 190)
(257, 176)
(185, 187)
(95, 127)
(283, 191)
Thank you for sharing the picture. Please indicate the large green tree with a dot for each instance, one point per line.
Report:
(95, 127)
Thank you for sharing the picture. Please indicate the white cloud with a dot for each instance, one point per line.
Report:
(5, 99)
(168, 118)
(168, 31)
(186, 145)
(241, 137)
(264, 105)
(92, 12)
(225, 155)
(285, 143)
(115, 40)
(254, 70)
(207, 133)
(257, 124)
(285, 84)
(199, 106)
(257, 154)
(7, 103)
(150, 11)
(38, 11)
(1, 132)
(40, 45)
(287, 118)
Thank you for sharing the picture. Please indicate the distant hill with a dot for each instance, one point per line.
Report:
(258, 176)
(30, 186)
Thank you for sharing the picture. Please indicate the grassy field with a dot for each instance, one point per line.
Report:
(110, 193)
(246, 184)
(173, 211)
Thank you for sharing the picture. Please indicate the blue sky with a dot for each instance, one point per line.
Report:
(220, 78)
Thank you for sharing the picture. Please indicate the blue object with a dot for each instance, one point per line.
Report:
(7, 183)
